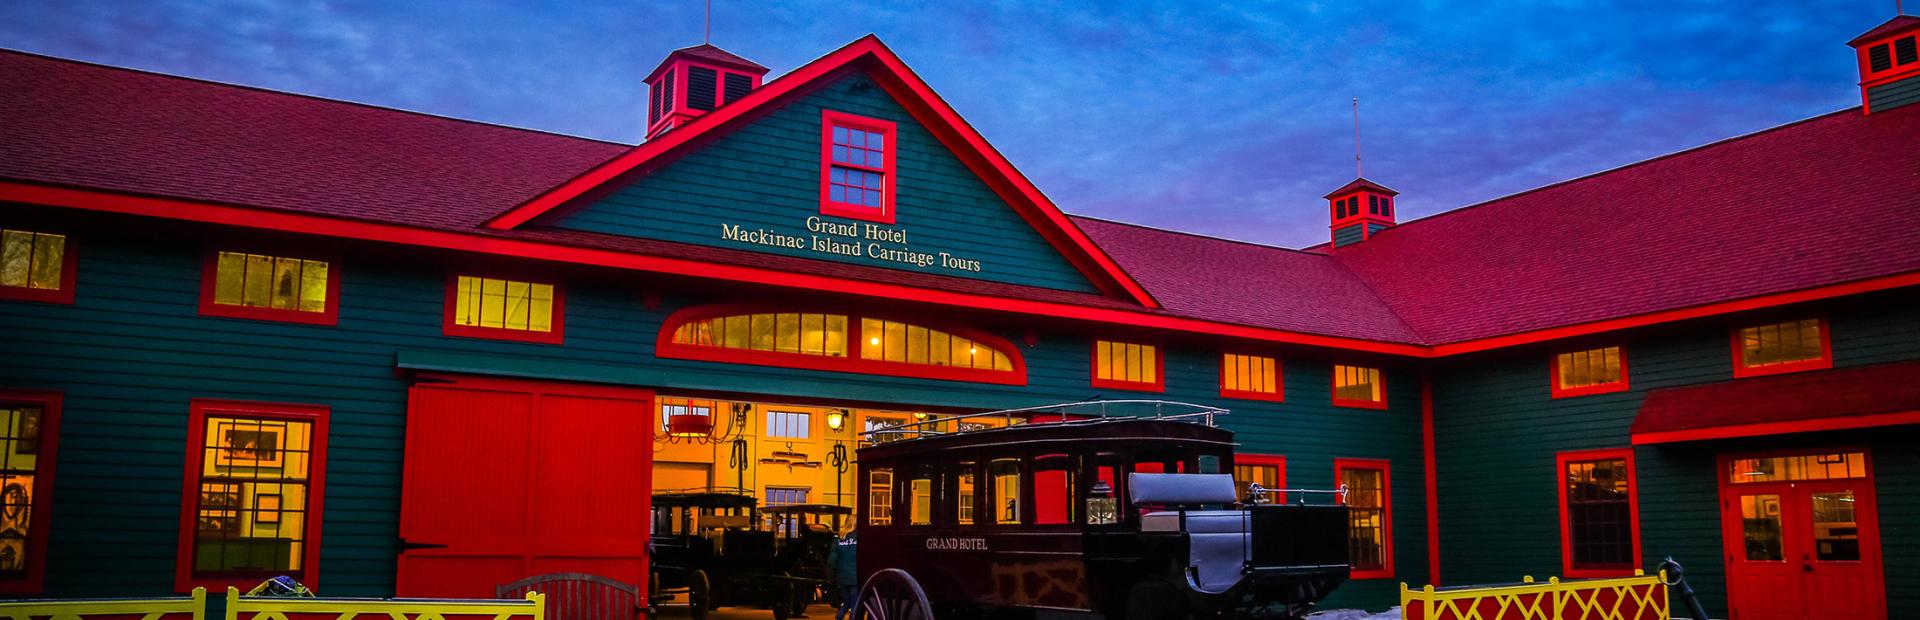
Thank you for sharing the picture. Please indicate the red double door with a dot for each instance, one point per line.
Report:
(509, 479)
(1802, 537)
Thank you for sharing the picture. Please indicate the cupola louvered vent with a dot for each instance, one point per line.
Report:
(700, 88)
(737, 86)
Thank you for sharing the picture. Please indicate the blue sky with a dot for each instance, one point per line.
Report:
(1229, 119)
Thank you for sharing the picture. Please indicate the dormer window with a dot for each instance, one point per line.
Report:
(856, 167)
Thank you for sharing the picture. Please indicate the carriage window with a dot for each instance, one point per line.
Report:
(920, 512)
(880, 497)
(963, 487)
(1004, 477)
(1160, 465)
(1209, 464)
(1053, 489)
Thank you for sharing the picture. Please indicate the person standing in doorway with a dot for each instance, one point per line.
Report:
(846, 576)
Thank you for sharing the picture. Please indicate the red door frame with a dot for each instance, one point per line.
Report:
(533, 387)
(1866, 515)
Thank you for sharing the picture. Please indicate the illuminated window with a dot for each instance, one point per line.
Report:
(1358, 386)
(920, 510)
(1781, 347)
(1003, 475)
(789, 424)
(880, 497)
(875, 424)
(29, 424)
(786, 496)
(1830, 466)
(857, 167)
(822, 341)
(1126, 365)
(511, 309)
(35, 266)
(963, 488)
(1370, 527)
(270, 287)
(1270, 472)
(1250, 376)
(1598, 533)
(1594, 371)
(252, 471)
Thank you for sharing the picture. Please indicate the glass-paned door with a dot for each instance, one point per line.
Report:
(1802, 537)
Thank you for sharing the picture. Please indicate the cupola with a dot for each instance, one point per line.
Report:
(1359, 210)
(696, 80)
(1889, 57)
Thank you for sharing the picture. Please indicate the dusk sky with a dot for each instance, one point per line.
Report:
(1228, 119)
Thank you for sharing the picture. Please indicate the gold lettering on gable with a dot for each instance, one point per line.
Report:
(873, 242)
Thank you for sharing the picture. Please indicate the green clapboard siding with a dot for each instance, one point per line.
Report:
(1893, 95)
(1497, 433)
(766, 176)
(131, 352)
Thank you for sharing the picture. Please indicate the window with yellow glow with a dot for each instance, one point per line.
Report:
(273, 282)
(32, 260)
(1004, 476)
(1249, 374)
(503, 304)
(20, 454)
(1357, 384)
(1588, 369)
(250, 514)
(1366, 514)
(1125, 362)
(894, 341)
(799, 333)
(880, 497)
(1265, 474)
(920, 490)
(963, 489)
(1786, 344)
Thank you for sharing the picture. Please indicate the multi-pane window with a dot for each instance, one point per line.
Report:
(1358, 386)
(963, 485)
(1249, 376)
(1267, 472)
(858, 167)
(1368, 533)
(894, 341)
(1126, 365)
(33, 265)
(1781, 347)
(481, 305)
(874, 429)
(1598, 512)
(920, 501)
(791, 332)
(253, 474)
(1589, 372)
(789, 424)
(786, 496)
(26, 453)
(880, 497)
(1003, 476)
(262, 286)
(1830, 466)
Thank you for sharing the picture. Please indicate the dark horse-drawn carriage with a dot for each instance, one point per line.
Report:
(1121, 516)
(712, 546)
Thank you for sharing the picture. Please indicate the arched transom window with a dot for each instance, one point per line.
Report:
(841, 342)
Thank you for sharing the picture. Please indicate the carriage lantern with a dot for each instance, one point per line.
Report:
(1102, 508)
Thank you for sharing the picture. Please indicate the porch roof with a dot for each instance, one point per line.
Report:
(1841, 398)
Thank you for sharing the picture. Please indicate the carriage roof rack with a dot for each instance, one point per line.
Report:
(1078, 412)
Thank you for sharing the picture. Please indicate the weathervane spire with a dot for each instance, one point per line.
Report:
(1357, 170)
(707, 38)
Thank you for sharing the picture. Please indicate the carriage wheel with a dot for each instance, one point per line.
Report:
(699, 595)
(892, 594)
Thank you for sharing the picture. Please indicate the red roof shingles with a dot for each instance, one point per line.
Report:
(1795, 397)
(1824, 201)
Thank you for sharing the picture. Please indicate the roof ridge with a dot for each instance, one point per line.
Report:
(1618, 168)
(1193, 234)
(347, 102)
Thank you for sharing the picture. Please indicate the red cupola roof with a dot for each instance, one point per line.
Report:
(1358, 210)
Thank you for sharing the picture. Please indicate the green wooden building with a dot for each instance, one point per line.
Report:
(253, 333)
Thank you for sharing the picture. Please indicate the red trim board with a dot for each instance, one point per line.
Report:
(1432, 474)
(1779, 428)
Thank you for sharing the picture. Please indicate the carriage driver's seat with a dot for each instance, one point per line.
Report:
(1216, 537)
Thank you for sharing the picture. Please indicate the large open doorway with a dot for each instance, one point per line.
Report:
(508, 479)
(1802, 536)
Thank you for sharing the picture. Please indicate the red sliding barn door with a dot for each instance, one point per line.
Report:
(508, 479)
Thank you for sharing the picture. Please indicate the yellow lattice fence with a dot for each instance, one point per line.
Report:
(1640, 597)
(534, 607)
(192, 607)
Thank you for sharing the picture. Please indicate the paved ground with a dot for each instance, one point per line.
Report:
(816, 612)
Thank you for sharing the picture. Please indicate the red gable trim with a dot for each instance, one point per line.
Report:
(919, 100)
(485, 244)
(1778, 428)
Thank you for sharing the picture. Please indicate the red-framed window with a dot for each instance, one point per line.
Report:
(840, 342)
(1359, 386)
(1369, 498)
(1253, 377)
(251, 503)
(1789, 346)
(29, 441)
(268, 287)
(1599, 513)
(1267, 470)
(856, 167)
(36, 266)
(506, 309)
(1593, 371)
(1129, 366)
